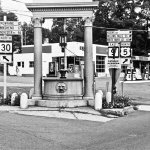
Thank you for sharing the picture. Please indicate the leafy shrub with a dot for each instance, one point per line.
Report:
(6, 101)
(1, 99)
(119, 102)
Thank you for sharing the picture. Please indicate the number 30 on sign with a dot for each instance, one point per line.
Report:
(5, 47)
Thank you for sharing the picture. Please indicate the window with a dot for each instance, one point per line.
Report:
(20, 64)
(31, 64)
(100, 63)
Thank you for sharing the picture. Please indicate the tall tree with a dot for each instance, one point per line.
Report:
(120, 14)
(73, 27)
(16, 39)
(28, 34)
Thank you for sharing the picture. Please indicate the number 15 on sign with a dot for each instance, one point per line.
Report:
(5, 47)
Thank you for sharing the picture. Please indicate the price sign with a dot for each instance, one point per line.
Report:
(5, 47)
(113, 52)
(125, 52)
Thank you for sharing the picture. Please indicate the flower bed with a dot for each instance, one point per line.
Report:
(122, 106)
(119, 102)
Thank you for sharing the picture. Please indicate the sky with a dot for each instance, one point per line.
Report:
(23, 14)
(18, 7)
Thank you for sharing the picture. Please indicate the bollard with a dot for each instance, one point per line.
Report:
(24, 101)
(14, 98)
(98, 100)
(145, 76)
(134, 77)
(108, 97)
(122, 88)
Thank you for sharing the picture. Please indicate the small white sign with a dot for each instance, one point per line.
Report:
(113, 44)
(119, 39)
(126, 44)
(6, 58)
(10, 23)
(10, 32)
(2, 28)
(120, 32)
(114, 63)
(119, 36)
(113, 52)
(5, 38)
(125, 52)
(5, 47)
(125, 61)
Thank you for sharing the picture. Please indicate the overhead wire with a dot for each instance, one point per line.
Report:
(71, 51)
(18, 1)
(106, 28)
(17, 12)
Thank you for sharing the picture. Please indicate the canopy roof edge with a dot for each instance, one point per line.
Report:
(65, 10)
(57, 5)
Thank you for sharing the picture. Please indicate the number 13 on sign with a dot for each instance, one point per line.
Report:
(113, 52)
(5, 47)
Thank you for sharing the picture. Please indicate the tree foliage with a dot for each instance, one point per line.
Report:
(73, 27)
(110, 15)
(120, 14)
(28, 34)
(16, 39)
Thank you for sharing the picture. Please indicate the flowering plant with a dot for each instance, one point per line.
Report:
(119, 102)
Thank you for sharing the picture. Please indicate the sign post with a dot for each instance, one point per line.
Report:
(118, 46)
(5, 74)
(7, 29)
(113, 75)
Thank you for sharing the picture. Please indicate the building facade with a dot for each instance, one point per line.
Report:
(23, 63)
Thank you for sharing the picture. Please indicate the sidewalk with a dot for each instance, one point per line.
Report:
(79, 113)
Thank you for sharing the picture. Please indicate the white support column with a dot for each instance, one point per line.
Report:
(88, 57)
(37, 22)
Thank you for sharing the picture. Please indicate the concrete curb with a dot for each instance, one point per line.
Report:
(118, 112)
(143, 107)
(135, 102)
